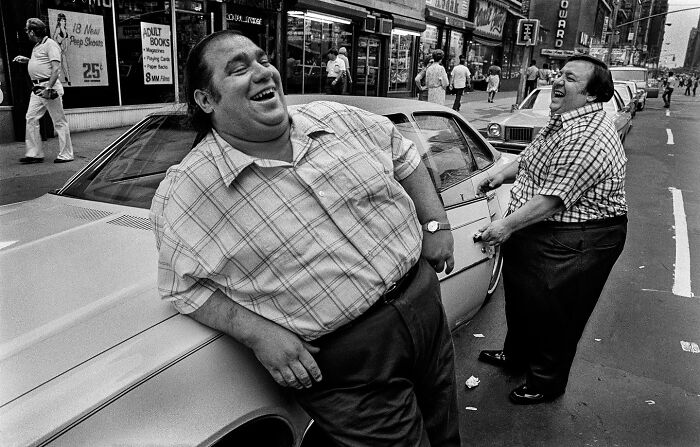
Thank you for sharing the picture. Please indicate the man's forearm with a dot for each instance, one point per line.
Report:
(54, 74)
(535, 210)
(420, 189)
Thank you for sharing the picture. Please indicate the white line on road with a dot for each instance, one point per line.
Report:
(669, 134)
(668, 113)
(681, 275)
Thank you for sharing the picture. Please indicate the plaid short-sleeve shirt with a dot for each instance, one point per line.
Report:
(309, 244)
(579, 158)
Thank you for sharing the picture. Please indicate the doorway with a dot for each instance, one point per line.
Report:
(191, 28)
(368, 66)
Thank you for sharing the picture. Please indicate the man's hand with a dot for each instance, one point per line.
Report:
(489, 183)
(286, 357)
(438, 250)
(496, 233)
(21, 59)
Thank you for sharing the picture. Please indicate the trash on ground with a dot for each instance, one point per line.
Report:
(470, 408)
(650, 402)
(690, 347)
(472, 382)
(597, 339)
(479, 335)
(642, 266)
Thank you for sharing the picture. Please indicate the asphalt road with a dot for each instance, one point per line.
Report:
(632, 383)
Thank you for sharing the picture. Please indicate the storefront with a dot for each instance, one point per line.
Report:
(448, 29)
(486, 47)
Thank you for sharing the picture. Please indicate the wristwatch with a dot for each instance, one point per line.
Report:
(434, 225)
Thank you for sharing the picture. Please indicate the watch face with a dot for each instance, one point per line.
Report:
(432, 226)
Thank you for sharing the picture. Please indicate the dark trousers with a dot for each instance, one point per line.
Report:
(458, 98)
(530, 86)
(553, 275)
(667, 96)
(388, 377)
(336, 89)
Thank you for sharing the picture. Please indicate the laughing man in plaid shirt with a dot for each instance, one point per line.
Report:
(299, 234)
(565, 228)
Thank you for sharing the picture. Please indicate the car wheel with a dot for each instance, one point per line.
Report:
(496, 272)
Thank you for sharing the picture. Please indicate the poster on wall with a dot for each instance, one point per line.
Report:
(489, 19)
(157, 54)
(82, 41)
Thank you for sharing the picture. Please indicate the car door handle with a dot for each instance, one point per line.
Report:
(477, 236)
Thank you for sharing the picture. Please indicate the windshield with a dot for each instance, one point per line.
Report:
(629, 75)
(624, 93)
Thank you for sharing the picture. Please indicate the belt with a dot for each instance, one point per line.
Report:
(586, 225)
(395, 290)
(40, 80)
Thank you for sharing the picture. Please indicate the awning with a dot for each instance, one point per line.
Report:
(488, 42)
(332, 7)
(409, 23)
(444, 17)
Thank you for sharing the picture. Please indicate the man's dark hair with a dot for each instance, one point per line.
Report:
(601, 83)
(534, 62)
(670, 73)
(37, 26)
(333, 51)
(198, 77)
(462, 59)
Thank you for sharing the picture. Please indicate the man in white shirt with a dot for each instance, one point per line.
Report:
(671, 83)
(343, 56)
(47, 93)
(335, 73)
(531, 77)
(460, 78)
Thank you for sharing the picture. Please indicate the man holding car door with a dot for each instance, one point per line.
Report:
(298, 233)
(564, 230)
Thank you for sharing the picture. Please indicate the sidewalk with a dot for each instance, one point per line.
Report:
(22, 182)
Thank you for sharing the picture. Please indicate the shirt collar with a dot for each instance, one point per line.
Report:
(231, 162)
(581, 111)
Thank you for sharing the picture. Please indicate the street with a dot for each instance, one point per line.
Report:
(632, 384)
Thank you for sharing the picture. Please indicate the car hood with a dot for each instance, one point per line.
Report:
(523, 118)
(77, 294)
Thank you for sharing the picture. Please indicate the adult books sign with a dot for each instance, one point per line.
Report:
(156, 44)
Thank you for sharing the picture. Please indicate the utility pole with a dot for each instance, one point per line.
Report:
(646, 33)
(613, 19)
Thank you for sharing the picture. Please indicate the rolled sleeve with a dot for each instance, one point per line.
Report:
(572, 172)
(405, 155)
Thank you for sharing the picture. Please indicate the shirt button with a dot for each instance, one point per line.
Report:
(322, 194)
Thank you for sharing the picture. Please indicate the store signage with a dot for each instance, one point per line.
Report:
(489, 19)
(83, 52)
(156, 45)
(556, 52)
(446, 5)
(271, 5)
(457, 23)
(528, 32)
(561, 23)
(244, 19)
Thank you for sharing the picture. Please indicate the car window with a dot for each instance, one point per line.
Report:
(539, 100)
(624, 92)
(448, 151)
(628, 75)
(132, 171)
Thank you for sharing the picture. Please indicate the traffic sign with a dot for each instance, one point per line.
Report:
(528, 31)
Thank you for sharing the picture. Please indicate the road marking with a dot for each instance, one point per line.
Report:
(668, 113)
(669, 136)
(681, 275)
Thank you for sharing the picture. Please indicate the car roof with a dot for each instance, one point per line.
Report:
(378, 105)
(627, 68)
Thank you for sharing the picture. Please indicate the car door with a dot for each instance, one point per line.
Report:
(446, 152)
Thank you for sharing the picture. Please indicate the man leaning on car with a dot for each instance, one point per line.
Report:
(565, 228)
(298, 233)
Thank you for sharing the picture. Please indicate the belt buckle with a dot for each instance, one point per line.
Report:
(386, 298)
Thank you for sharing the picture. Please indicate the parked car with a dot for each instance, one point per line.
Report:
(640, 76)
(627, 96)
(91, 355)
(639, 94)
(512, 132)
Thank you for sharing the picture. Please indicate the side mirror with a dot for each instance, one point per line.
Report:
(513, 108)
(626, 109)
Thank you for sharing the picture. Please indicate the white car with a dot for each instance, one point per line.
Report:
(90, 354)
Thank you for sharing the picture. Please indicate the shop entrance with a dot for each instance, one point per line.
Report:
(368, 66)
(191, 28)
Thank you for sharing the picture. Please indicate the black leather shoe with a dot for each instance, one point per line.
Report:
(498, 358)
(61, 160)
(523, 395)
(28, 160)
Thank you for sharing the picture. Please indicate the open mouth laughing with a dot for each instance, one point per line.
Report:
(264, 95)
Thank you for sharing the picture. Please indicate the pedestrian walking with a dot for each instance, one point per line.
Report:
(268, 232)
(343, 56)
(565, 228)
(419, 80)
(436, 79)
(671, 83)
(47, 95)
(460, 78)
(335, 73)
(695, 84)
(531, 77)
(492, 83)
(688, 86)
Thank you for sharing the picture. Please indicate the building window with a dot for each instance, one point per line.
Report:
(145, 49)
(456, 49)
(309, 37)
(401, 61)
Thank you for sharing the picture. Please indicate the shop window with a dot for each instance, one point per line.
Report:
(456, 49)
(308, 42)
(401, 62)
(144, 43)
(428, 44)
